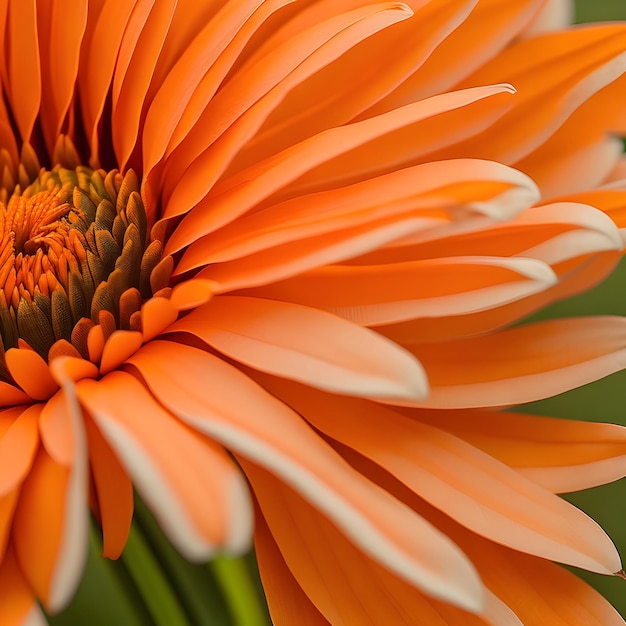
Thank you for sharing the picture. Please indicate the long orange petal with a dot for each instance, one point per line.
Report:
(288, 604)
(190, 483)
(50, 528)
(307, 345)
(524, 363)
(469, 485)
(240, 108)
(19, 440)
(256, 426)
(345, 585)
(561, 455)
(18, 606)
(114, 491)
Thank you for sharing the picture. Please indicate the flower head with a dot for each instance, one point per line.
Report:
(300, 234)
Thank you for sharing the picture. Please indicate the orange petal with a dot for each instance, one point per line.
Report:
(67, 368)
(467, 484)
(561, 455)
(287, 603)
(343, 583)
(114, 492)
(241, 192)
(384, 294)
(341, 91)
(18, 606)
(118, 347)
(191, 294)
(61, 27)
(103, 35)
(19, 440)
(23, 65)
(8, 502)
(10, 395)
(560, 70)
(194, 489)
(95, 343)
(446, 191)
(524, 363)
(238, 110)
(489, 28)
(156, 315)
(538, 591)
(50, 528)
(307, 345)
(588, 274)
(258, 427)
(31, 373)
(138, 54)
(57, 436)
(198, 72)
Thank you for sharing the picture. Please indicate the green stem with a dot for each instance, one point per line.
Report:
(151, 582)
(192, 583)
(238, 588)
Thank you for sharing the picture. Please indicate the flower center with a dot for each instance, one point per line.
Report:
(75, 253)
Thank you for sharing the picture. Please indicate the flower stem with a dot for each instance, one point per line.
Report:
(147, 575)
(192, 583)
(235, 580)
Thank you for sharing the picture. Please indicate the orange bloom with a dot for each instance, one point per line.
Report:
(301, 232)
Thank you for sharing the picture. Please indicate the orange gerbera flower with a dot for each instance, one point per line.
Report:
(300, 232)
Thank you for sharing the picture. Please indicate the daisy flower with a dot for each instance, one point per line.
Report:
(262, 261)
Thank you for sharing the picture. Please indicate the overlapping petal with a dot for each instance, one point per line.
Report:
(348, 206)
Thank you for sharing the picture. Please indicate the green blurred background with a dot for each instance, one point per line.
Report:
(604, 401)
(115, 593)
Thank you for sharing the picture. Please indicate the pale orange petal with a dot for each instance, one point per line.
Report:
(341, 91)
(561, 455)
(286, 600)
(201, 503)
(469, 485)
(523, 364)
(438, 193)
(538, 591)
(198, 72)
(385, 294)
(308, 345)
(241, 192)
(561, 70)
(258, 427)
